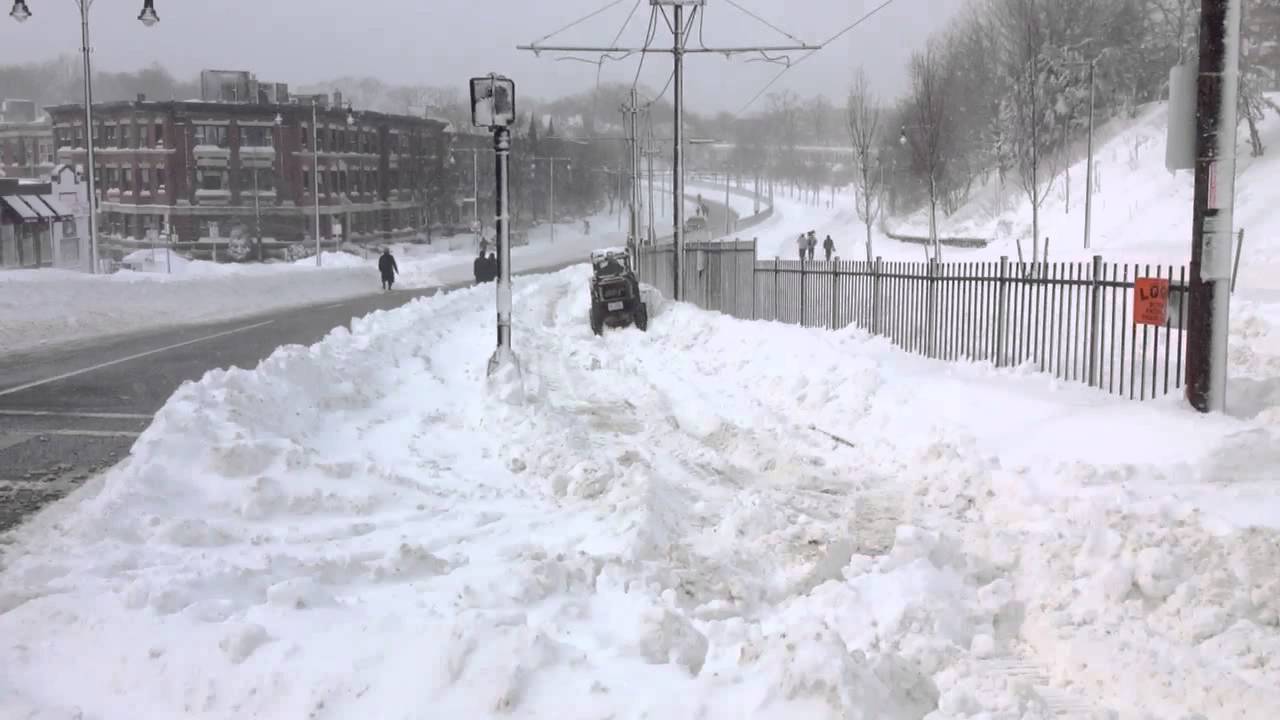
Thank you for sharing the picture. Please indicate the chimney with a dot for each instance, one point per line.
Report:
(337, 99)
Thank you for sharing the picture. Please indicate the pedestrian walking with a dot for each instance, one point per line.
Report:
(802, 245)
(481, 268)
(495, 267)
(829, 246)
(812, 244)
(387, 266)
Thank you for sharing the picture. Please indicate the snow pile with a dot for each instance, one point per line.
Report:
(714, 519)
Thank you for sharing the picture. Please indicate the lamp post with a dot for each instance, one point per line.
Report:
(147, 17)
(1088, 181)
(493, 101)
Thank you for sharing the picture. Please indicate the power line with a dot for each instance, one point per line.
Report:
(595, 96)
(810, 54)
(579, 21)
(648, 40)
(766, 22)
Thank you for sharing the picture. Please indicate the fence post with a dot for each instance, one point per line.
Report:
(875, 297)
(1095, 318)
(1002, 310)
(776, 261)
(803, 275)
(1235, 268)
(753, 278)
(931, 308)
(835, 291)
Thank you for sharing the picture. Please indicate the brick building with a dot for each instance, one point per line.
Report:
(196, 169)
(26, 141)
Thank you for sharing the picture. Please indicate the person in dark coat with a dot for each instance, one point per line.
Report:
(387, 266)
(829, 246)
(481, 268)
(495, 267)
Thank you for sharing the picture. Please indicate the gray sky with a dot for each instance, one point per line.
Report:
(442, 42)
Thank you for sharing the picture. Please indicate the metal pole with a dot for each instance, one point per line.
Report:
(652, 239)
(1208, 309)
(727, 229)
(257, 214)
(315, 174)
(677, 195)
(553, 200)
(1088, 181)
(91, 168)
(502, 155)
(475, 186)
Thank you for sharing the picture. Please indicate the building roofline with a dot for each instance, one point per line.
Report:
(246, 109)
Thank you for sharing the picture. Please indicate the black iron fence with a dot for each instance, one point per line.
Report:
(1076, 321)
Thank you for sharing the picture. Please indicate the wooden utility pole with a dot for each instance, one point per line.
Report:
(1216, 118)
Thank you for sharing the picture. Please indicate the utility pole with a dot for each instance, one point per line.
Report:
(1208, 311)
(677, 179)
(315, 174)
(552, 161)
(678, 27)
(1088, 180)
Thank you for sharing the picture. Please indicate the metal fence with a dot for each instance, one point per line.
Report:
(1072, 320)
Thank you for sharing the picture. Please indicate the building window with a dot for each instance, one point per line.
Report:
(126, 179)
(160, 179)
(306, 180)
(109, 136)
(215, 135)
(158, 138)
(210, 178)
(333, 181)
(265, 180)
(112, 179)
(68, 228)
(255, 137)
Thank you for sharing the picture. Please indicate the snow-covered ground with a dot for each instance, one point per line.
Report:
(655, 525)
(1141, 211)
(47, 307)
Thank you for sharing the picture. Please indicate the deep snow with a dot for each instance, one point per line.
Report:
(651, 526)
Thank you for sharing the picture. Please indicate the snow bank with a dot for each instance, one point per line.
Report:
(714, 519)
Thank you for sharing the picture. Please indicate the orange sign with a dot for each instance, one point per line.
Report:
(1150, 301)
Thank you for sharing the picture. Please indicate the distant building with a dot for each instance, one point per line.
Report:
(207, 171)
(33, 225)
(26, 140)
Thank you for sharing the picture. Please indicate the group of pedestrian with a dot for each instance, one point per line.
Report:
(807, 244)
(486, 268)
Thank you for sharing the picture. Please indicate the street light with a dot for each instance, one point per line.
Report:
(148, 15)
(21, 13)
(493, 101)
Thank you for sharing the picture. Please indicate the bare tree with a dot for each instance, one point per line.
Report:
(928, 134)
(864, 131)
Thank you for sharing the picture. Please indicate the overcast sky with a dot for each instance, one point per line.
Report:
(442, 42)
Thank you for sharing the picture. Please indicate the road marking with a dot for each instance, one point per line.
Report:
(93, 415)
(99, 366)
(88, 433)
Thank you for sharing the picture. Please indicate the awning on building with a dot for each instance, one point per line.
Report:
(37, 208)
(56, 207)
(25, 212)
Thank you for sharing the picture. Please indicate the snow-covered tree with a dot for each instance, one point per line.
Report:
(864, 132)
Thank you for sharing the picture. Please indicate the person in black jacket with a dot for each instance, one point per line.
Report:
(481, 268)
(387, 266)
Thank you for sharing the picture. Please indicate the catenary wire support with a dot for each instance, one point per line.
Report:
(680, 26)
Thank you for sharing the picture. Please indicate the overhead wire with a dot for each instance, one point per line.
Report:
(766, 22)
(806, 56)
(595, 96)
(578, 22)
